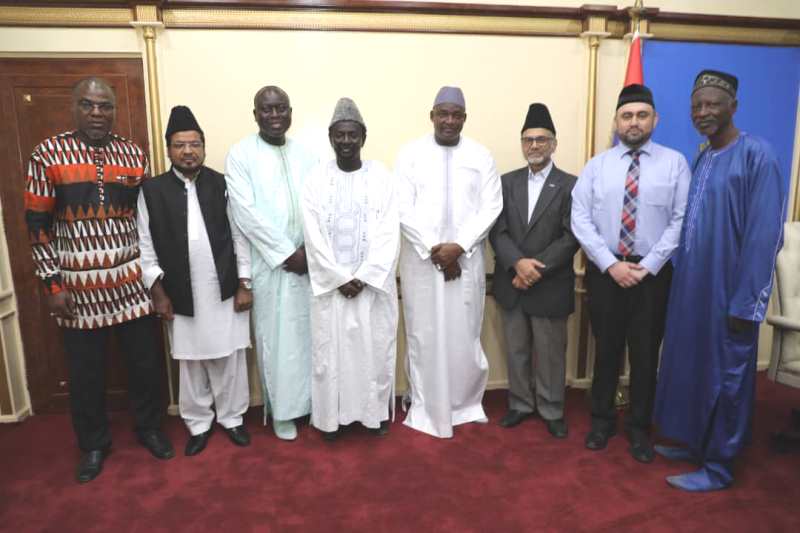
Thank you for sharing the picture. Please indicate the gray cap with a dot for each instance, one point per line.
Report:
(346, 109)
(450, 95)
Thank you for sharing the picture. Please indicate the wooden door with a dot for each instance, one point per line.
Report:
(35, 103)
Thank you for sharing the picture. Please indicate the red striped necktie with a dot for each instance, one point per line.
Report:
(627, 232)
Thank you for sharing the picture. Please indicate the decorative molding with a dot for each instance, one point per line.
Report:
(65, 16)
(357, 21)
(384, 6)
(400, 16)
(725, 34)
(146, 13)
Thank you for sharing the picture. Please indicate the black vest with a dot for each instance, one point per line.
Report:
(166, 200)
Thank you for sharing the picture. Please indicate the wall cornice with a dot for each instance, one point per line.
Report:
(399, 16)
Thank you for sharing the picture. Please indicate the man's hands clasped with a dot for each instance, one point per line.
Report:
(62, 305)
(297, 263)
(352, 288)
(528, 273)
(445, 258)
(626, 274)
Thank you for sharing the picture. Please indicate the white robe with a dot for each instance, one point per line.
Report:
(448, 194)
(264, 184)
(352, 230)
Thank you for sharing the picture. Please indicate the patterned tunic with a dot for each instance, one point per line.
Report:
(80, 208)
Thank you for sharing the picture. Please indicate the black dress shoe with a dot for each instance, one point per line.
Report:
(796, 418)
(90, 466)
(157, 443)
(557, 428)
(513, 418)
(330, 436)
(382, 430)
(641, 449)
(238, 435)
(597, 439)
(197, 443)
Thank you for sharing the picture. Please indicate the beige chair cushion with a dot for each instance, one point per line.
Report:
(787, 277)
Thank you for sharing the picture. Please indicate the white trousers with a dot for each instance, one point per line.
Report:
(220, 382)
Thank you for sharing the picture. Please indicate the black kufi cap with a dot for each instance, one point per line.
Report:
(635, 93)
(714, 78)
(181, 119)
(538, 117)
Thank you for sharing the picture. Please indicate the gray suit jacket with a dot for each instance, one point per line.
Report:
(546, 237)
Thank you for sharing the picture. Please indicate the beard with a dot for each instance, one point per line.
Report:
(538, 160)
(187, 171)
(634, 140)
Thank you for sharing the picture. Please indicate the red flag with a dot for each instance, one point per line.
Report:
(634, 72)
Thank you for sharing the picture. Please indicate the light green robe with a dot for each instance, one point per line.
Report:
(265, 184)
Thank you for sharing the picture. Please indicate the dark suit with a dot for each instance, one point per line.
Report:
(535, 319)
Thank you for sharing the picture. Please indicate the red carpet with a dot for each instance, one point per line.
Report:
(485, 479)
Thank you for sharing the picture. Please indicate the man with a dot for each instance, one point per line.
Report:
(627, 210)
(265, 173)
(723, 279)
(80, 209)
(451, 196)
(352, 234)
(197, 266)
(534, 282)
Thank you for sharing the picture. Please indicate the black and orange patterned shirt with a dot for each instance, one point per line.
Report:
(80, 208)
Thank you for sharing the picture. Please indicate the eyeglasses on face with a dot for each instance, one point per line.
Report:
(88, 106)
(194, 145)
(538, 141)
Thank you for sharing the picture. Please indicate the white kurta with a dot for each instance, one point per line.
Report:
(215, 330)
(211, 344)
(448, 194)
(352, 230)
(264, 184)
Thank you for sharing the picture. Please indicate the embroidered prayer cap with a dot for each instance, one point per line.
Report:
(346, 109)
(538, 117)
(635, 93)
(450, 95)
(714, 78)
(181, 119)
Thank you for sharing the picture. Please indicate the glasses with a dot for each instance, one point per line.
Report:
(87, 107)
(538, 141)
(194, 145)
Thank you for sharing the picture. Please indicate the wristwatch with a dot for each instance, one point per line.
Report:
(246, 284)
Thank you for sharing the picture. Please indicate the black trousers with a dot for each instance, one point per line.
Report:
(635, 317)
(86, 358)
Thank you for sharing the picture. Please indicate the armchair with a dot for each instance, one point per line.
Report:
(784, 364)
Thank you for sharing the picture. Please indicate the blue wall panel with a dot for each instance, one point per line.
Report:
(769, 84)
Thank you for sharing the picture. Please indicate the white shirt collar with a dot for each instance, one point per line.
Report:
(542, 174)
(183, 178)
(646, 148)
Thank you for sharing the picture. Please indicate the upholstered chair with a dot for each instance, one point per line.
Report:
(784, 366)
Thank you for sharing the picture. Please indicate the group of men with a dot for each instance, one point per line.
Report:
(314, 247)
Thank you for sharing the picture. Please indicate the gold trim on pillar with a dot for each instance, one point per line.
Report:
(356, 21)
(794, 182)
(593, 37)
(148, 23)
(65, 16)
(146, 13)
(596, 28)
(149, 35)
